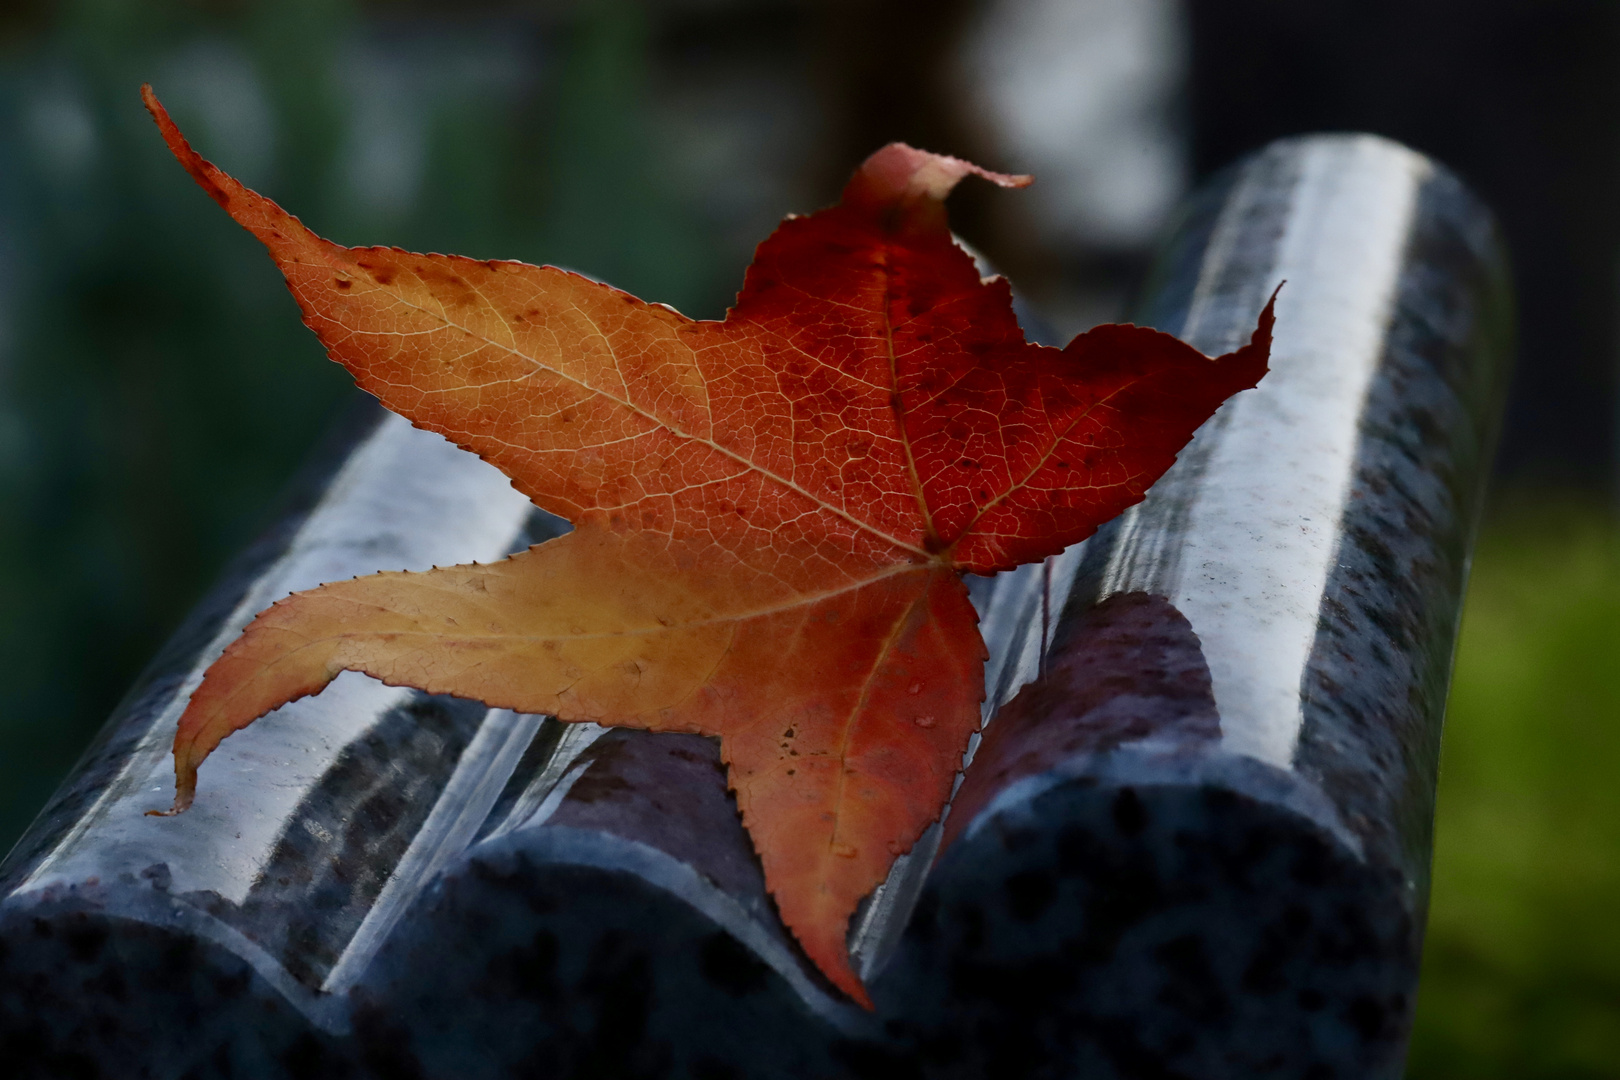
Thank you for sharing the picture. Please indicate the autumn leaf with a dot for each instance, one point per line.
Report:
(771, 512)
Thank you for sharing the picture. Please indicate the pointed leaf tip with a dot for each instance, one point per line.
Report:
(901, 175)
(185, 789)
(207, 176)
(1260, 340)
(830, 954)
(185, 780)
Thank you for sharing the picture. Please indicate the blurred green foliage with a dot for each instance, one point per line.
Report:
(1521, 975)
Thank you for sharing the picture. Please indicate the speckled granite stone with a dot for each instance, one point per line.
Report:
(113, 981)
(1145, 924)
(1375, 689)
(1192, 843)
(1198, 845)
(626, 934)
(337, 851)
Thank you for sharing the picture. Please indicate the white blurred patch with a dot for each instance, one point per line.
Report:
(385, 155)
(395, 84)
(1083, 93)
(61, 128)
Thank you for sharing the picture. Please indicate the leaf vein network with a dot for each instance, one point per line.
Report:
(864, 526)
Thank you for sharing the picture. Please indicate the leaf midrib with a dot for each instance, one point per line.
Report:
(667, 425)
(802, 600)
(898, 406)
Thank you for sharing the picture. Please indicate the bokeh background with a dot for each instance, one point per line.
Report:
(157, 389)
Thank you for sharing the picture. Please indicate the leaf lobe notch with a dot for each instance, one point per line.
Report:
(772, 511)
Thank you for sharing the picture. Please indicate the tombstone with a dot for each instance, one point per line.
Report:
(1193, 839)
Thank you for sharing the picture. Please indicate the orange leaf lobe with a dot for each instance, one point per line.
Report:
(772, 511)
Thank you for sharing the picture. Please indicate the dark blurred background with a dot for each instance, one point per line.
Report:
(157, 388)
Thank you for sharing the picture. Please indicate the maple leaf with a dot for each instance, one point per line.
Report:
(772, 513)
